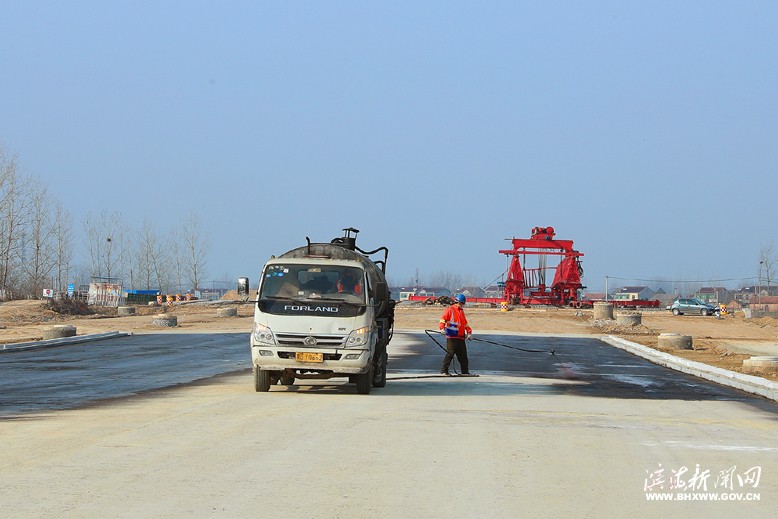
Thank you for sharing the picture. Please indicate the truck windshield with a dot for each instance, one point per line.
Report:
(309, 282)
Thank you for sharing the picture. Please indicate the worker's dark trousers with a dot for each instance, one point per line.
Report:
(455, 346)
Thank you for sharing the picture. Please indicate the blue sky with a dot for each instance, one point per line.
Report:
(647, 132)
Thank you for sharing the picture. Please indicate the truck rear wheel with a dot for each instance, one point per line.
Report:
(261, 380)
(365, 381)
(287, 381)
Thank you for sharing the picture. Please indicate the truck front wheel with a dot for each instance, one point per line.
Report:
(261, 380)
(379, 370)
(365, 381)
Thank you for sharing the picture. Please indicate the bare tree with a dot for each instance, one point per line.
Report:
(448, 280)
(106, 241)
(767, 263)
(152, 260)
(685, 287)
(13, 218)
(194, 248)
(177, 253)
(63, 226)
(141, 264)
(41, 256)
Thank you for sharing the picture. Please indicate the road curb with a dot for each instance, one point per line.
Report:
(64, 341)
(725, 377)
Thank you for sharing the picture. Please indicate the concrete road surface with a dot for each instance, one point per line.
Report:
(599, 434)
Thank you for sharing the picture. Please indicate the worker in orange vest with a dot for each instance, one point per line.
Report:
(349, 283)
(453, 324)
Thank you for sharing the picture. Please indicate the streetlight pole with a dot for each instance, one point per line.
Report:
(606, 289)
(108, 246)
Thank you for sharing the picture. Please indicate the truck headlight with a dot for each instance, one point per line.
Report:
(358, 337)
(263, 334)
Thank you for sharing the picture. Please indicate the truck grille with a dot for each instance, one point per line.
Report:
(298, 340)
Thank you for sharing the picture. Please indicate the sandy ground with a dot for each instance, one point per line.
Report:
(724, 342)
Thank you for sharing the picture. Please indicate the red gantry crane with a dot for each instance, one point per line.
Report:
(529, 286)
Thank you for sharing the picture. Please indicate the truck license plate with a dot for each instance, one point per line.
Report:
(304, 356)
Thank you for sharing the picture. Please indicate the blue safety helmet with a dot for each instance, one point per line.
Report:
(461, 298)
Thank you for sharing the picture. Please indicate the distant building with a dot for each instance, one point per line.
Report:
(631, 293)
(473, 292)
(404, 293)
(714, 295)
(665, 299)
(494, 291)
(764, 305)
(744, 295)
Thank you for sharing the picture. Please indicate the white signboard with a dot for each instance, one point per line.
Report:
(104, 294)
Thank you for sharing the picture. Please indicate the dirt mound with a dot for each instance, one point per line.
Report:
(610, 327)
(69, 307)
(231, 295)
(26, 312)
(764, 322)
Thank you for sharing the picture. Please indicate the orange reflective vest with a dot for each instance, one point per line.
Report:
(454, 322)
(341, 287)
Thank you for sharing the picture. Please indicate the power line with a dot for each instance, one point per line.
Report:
(682, 280)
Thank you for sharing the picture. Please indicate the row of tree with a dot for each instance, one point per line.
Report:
(452, 281)
(39, 248)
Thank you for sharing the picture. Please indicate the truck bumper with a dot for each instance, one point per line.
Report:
(346, 361)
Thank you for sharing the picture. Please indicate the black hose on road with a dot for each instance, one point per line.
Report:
(568, 373)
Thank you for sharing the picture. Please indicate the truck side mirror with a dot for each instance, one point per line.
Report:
(381, 291)
(243, 287)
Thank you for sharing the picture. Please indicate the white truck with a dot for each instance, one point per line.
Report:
(322, 311)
